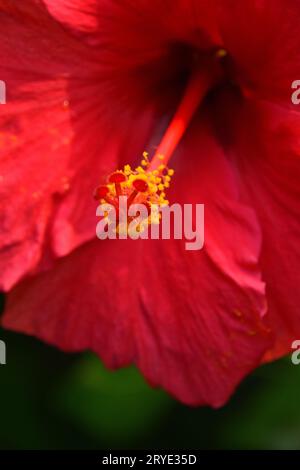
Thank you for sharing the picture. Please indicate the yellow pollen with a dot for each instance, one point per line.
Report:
(221, 53)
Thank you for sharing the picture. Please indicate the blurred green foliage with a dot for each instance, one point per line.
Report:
(53, 400)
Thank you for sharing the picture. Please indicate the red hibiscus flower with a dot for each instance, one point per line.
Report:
(91, 84)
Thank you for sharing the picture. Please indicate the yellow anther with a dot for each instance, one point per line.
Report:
(152, 188)
(139, 169)
(127, 169)
(221, 53)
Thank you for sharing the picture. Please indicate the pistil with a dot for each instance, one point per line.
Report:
(147, 184)
(197, 87)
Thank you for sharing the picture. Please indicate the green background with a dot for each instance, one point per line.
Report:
(53, 400)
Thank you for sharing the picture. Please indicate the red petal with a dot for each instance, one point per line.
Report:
(34, 133)
(56, 140)
(267, 154)
(136, 26)
(263, 42)
(191, 321)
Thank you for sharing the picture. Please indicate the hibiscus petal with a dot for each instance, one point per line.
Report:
(263, 44)
(32, 158)
(267, 154)
(55, 139)
(134, 26)
(191, 321)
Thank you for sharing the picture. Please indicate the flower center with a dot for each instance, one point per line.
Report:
(141, 185)
(147, 184)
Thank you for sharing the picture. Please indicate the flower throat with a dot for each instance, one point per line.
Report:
(147, 184)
